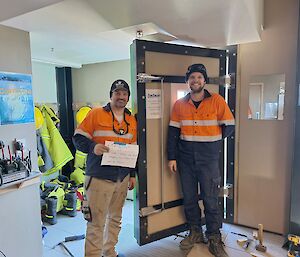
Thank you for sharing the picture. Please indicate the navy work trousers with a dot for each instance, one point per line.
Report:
(207, 175)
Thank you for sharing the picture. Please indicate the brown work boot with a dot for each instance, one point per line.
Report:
(216, 246)
(195, 236)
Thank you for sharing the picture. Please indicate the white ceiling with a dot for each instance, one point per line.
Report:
(13, 8)
(76, 32)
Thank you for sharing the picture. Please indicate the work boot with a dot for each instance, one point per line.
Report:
(195, 236)
(51, 212)
(70, 202)
(216, 246)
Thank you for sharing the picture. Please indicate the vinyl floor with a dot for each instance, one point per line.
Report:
(167, 247)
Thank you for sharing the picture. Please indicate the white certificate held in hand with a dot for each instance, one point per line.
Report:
(120, 154)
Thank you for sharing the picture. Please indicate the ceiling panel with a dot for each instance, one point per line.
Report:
(88, 31)
(13, 8)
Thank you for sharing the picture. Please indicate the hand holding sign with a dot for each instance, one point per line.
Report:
(123, 155)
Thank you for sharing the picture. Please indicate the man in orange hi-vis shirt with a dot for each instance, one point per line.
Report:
(106, 186)
(199, 122)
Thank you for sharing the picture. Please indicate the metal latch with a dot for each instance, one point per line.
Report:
(227, 80)
(226, 191)
(144, 78)
(146, 211)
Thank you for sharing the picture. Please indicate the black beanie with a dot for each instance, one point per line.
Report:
(198, 67)
(119, 84)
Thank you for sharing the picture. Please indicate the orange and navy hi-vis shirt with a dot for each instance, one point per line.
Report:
(99, 126)
(196, 133)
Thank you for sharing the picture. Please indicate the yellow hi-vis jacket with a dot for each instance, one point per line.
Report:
(80, 159)
(58, 149)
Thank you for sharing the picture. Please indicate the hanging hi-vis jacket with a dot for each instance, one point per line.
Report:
(100, 126)
(80, 160)
(55, 144)
(196, 133)
(45, 162)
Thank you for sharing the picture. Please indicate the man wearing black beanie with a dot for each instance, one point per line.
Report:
(106, 185)
(199, 122)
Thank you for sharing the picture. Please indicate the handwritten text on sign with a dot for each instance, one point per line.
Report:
(123, 155)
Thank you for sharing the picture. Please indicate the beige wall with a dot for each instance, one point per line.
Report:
(44, 83)
(16, 57)
(91, 83)
(265, 148)
(20, 209)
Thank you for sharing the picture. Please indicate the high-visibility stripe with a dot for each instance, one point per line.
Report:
(201, 138)
(81, 132)
(81, 154)
(199, 123)
(109, 133)
(226, 122)
(45, 136)
(174, 124)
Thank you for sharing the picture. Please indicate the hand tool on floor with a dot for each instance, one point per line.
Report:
(256, 255)
(260, 247)
(69, 239)
(294, 248)
(239, 234)
(244, 242)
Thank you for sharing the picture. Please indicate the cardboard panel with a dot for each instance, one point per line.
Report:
(162, 220)
(175, 64)
(171, 186)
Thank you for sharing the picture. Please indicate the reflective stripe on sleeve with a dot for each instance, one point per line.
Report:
(201, 138)
(174, 124)
(226, 122)
(81, 132)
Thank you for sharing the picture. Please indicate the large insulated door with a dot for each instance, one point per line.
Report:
(158, 81)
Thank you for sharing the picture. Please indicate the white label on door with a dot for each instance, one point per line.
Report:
(153, 103)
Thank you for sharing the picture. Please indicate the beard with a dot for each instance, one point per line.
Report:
(198, 90)
(120, 104)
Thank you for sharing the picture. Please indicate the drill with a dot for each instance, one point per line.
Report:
(294, 249)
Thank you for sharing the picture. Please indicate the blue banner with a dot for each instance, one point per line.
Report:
(16, 100)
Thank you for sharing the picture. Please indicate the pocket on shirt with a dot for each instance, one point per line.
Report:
(209, 116)
(105, 124)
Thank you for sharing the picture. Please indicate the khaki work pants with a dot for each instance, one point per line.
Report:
(106, 199)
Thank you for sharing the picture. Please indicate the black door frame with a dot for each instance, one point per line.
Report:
(138, 50)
